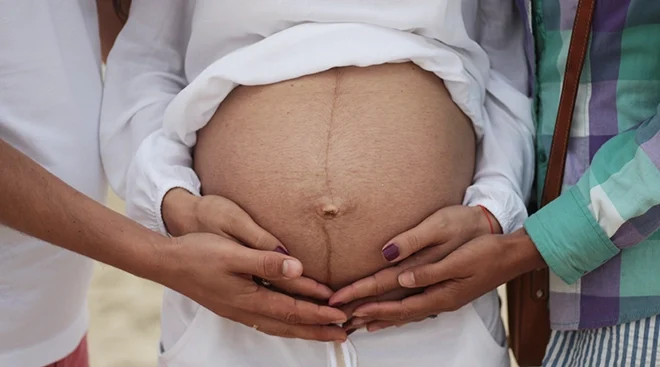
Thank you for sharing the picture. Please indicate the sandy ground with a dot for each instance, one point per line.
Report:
(124, 316)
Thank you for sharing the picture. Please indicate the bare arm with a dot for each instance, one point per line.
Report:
(206, 268)
(39, 204)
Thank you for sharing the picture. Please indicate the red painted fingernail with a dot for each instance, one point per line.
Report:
(391, 252)
(282, 250)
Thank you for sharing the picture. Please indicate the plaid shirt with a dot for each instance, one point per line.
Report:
(601, 238)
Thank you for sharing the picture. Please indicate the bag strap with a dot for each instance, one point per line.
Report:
(577, 51)
(554, 178)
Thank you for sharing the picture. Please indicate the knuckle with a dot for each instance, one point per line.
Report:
(405, 314)
(261, 241)
(291, 317)
(414, 242)
(380, 288)
(268, 266)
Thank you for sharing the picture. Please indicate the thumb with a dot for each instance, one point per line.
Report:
(263, 264)
(428, 233)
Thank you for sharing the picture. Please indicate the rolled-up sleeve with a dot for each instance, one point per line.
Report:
(505, 155)
(615, 205)
(145, 71)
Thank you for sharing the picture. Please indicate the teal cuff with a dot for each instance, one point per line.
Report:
(569, 238)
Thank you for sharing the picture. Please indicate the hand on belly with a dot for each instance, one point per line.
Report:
(336, 164)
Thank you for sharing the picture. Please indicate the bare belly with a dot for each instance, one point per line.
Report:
(337, 163)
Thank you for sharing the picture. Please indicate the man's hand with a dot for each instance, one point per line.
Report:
(472, 270)
(217, 273)
(184, 213)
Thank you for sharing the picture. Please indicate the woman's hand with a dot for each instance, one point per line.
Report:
(184, 213)
(430, 241)
(471, 271)
(226, 224)
(217, 273)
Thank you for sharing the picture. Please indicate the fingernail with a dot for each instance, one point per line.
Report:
(391, 252)
(372, 329)
(359, 314)
(336, 304)
(407, 280)
(341, 321)
(282, 250)
(291, 268)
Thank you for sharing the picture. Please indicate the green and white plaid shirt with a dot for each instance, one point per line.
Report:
(601, 238)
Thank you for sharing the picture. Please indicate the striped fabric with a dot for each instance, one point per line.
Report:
(634, 344)
(601, 237)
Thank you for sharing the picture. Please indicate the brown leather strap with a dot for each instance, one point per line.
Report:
(529, 321)
(577, 51)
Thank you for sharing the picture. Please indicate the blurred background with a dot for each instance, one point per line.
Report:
(125, 315)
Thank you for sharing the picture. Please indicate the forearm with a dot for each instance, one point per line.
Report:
(39, 204)
(614, 206)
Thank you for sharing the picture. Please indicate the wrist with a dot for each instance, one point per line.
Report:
(486, 221)
(521, 252)
(163, 262)
(179, 211)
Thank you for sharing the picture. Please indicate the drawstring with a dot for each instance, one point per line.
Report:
(350, 353)
(342, 355)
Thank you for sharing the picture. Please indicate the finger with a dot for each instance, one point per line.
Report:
(380, 325)
(435, 300)
(305, 287)
(386, 280)
(357, 322)
(428, 233)
(284, 308)
(264, 264)
(429, 274)
(273, 327)
(237, 223)
(375, 285)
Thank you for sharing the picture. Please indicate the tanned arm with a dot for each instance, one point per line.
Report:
(39, 204)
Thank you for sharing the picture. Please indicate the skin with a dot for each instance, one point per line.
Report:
(211, 269)
(334, 180)
(109, 26)
(470, 271)
(214, 162)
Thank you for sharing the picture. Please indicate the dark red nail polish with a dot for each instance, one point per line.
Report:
(391, 252)
(282, 250)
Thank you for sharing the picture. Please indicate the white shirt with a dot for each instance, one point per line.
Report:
(164, 47)
(50, 96)
(176, 60)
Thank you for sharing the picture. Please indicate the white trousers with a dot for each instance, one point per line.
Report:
(455, 339)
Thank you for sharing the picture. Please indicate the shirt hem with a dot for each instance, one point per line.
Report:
(51, 350)
(603, 323)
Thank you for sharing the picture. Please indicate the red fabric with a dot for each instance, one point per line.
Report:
(77, 358)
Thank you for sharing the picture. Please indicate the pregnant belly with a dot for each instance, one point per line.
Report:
(337, 163)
